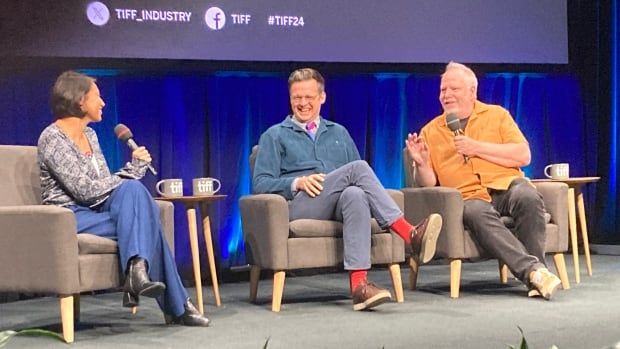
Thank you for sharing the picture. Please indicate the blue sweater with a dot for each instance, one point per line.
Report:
(286, 151)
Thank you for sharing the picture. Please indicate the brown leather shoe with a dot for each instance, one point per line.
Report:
(424, 238)
(368, 295)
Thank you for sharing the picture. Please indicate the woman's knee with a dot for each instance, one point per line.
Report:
(131, 188)
(132, 185)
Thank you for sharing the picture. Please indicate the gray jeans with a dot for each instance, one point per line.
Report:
(353, 195)
(523, 251)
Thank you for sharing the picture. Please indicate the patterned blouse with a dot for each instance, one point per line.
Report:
(68, 177)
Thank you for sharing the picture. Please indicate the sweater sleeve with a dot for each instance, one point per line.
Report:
(267, 169)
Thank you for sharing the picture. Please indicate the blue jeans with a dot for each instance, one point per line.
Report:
(131, 217)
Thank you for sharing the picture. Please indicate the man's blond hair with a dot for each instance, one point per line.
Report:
(468, 74)
(305, 74)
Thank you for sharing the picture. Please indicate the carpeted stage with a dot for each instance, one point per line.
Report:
(317, 313)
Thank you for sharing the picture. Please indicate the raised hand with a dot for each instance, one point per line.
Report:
(417, 148)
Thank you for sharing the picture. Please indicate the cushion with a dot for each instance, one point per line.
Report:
(93, 244)
(322, 228)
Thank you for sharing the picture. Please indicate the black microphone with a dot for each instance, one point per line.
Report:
(123, 133)
(454, 124)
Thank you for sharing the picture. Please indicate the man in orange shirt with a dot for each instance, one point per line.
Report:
(483, 162)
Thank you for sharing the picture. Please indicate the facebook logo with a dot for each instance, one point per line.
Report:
(215, 18)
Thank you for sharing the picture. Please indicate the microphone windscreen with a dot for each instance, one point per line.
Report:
(453, 122)
(123, 132)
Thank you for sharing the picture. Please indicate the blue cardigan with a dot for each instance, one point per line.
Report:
(286, 151)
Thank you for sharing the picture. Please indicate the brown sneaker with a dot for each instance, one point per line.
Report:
(368, 295)
(545, 282)
(424, 238)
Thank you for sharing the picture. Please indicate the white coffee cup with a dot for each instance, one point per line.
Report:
(170, 187)
(205, 186)
(557, 171)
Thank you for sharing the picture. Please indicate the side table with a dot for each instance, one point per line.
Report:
(190, 203)
(575, 193)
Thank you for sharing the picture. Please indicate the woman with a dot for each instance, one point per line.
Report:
(75, 175)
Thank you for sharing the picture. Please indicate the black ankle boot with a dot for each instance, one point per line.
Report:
(138, 283)
(130, 300)
(191, 317)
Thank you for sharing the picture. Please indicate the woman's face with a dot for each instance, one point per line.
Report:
(92, 104)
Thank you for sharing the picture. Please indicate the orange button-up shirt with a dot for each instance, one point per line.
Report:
(488, 123)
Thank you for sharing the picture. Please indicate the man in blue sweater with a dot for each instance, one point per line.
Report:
(315, 165)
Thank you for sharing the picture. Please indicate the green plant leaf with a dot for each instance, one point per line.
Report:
(266, 343)
(5, 336)
(40, 332)
(523, 344)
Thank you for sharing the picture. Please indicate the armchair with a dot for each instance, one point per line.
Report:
(40, 250)
(272, 242)
(456, 243)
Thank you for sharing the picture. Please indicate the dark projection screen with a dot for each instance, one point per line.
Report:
(391, 31)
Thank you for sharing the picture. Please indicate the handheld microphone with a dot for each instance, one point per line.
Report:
(123, 133)
(454, 124)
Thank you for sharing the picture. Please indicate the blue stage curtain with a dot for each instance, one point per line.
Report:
(204, 125)
(608, 196)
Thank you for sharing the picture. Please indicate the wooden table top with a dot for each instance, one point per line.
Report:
(571, 180)
(192, 199)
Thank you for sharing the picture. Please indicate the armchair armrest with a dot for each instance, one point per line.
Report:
(166, 216)
(398, 198)
(448, 202)
(265, 222)
(555, 197)
(38, 249)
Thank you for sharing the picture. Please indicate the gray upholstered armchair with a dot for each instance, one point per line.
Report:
(456, 243)
(272, 242)
(40, 250)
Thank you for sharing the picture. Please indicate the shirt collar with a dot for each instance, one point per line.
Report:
(479, 108)
(317, 121)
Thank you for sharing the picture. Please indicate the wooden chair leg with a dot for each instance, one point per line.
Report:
(76, 308)
(278, 290)
(560, 266)
(413, 274)
(503, 272)
(254, 277)
(455, 277)
(66, 317)
(397, 282)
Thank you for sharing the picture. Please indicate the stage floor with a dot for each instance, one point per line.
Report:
(317, 313)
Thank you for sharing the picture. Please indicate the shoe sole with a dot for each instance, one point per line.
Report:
(429, 241)
(533, 293)
(374, 301)
(153, 291)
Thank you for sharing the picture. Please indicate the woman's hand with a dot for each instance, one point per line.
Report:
(142, 154)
